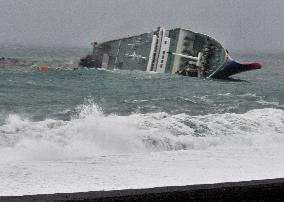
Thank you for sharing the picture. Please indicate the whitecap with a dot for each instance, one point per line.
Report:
(92, 133)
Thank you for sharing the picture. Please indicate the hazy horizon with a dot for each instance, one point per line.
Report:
(238, 25)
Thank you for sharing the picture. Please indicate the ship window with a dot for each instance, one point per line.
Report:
(164, 52)
(161, 65)
(162, 61)
(165, 42)
(163, 56)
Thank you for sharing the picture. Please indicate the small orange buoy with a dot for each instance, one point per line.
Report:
(43, 68)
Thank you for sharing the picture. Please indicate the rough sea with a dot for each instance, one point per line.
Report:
(66, 130)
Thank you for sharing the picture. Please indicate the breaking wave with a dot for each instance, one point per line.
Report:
(93, 133)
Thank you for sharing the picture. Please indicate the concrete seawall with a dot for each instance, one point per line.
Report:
(258, 190)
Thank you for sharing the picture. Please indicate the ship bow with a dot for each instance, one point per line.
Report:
(231, 67)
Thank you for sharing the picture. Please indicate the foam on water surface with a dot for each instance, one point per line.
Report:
(90, 133)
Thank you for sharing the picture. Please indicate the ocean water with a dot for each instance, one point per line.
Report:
(66, 130)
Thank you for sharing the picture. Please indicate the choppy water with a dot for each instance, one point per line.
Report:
(63, 114)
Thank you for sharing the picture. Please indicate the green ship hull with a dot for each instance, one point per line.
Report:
(176, 51)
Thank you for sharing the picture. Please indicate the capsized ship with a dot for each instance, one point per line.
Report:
(175, 51)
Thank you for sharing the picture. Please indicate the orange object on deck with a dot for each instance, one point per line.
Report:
(43, 68)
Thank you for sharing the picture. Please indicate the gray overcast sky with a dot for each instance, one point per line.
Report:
(237, 24)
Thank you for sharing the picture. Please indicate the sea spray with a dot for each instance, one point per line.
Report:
(91, 133)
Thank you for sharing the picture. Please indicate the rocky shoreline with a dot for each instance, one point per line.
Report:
(14, 62)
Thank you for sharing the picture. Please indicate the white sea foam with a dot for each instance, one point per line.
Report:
(93, 133)
(248, 95)
(85, 153)
(273, 103)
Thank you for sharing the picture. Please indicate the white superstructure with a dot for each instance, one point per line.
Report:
(159, 51)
